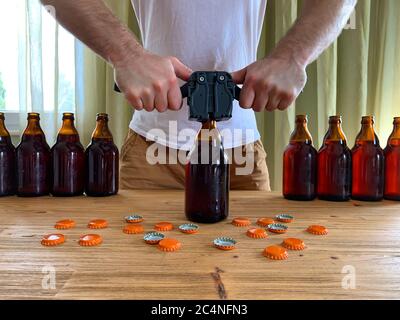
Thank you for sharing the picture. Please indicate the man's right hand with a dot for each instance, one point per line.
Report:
(150, 82)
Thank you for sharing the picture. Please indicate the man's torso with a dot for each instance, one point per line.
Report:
(205, 35)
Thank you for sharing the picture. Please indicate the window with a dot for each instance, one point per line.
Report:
(37, 63)
(10, 15)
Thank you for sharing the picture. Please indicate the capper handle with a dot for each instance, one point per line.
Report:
(184, 90)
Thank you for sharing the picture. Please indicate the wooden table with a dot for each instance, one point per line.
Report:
(364, 238)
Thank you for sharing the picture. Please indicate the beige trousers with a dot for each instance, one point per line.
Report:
(137, 173)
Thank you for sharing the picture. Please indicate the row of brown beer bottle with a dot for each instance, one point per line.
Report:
(33, 169)
(337, 173)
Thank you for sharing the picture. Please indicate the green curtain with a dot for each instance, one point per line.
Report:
(98, 79)
(358, 75)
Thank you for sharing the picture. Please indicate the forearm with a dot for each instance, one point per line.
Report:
(94, 24)
(319, 24)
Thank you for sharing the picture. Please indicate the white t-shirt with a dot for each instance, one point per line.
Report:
(206, 35)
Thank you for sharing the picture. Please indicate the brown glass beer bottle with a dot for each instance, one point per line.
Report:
(367, 164)
(68, 160)
(300, 164)
(7, 161)
(102, 161)
(33, 160)
(392, 163)
(334, 164)
(207, 177)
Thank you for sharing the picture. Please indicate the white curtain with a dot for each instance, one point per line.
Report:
(48, 57)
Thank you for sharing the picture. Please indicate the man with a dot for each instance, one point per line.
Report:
(184, 35)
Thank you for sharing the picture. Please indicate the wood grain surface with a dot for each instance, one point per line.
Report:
(363, 238)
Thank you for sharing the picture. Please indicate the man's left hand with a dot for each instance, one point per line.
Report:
(270, 83)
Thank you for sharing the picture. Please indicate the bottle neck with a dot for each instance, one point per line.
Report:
(209, 131)
(68, 132)
(102, 132)
(33, 128)
(210, 124)
(208, 148)
(394, 138)
(3, 130)
(335, 133)
(4, 134)
(367, 134)
(301, 133)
